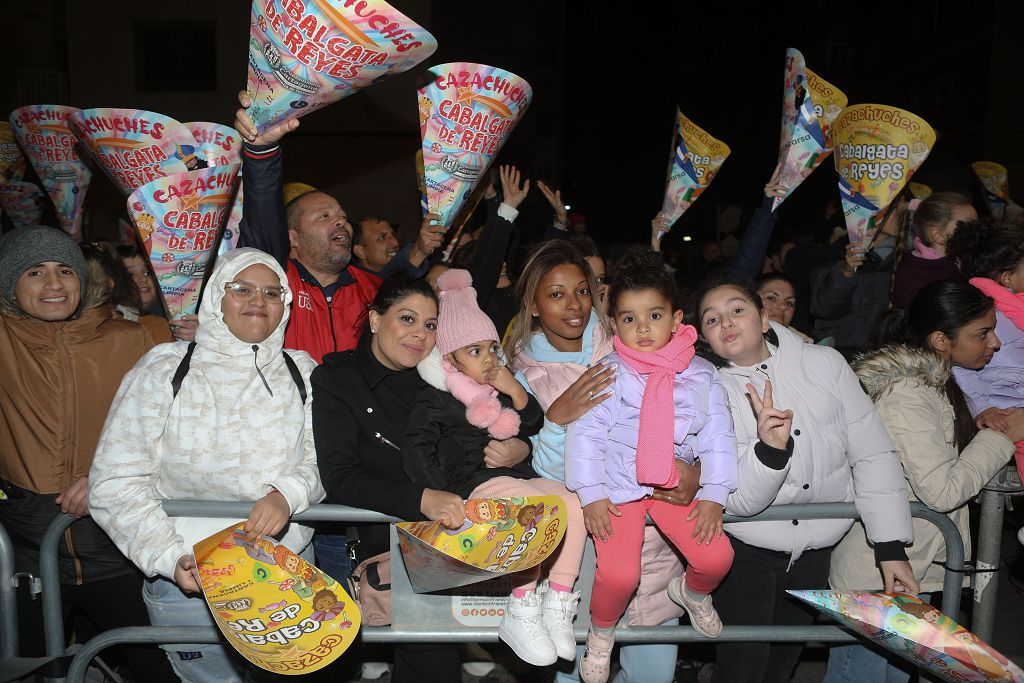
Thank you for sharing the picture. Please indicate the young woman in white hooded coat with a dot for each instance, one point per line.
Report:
(239, 429)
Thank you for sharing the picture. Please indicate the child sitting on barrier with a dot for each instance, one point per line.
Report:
(666, 404)
(474, 398)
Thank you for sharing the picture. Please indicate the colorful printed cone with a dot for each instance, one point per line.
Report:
(278, 611)
(499, 536)
(877, 150)
(221, 145)
(136, 147)
(179, 219)
(12, 161)
(23, 202)
(810, 105)
(916, 631)
(467, 111)
(304, 56)
(693, 164)
(996, 181)
(43, 133)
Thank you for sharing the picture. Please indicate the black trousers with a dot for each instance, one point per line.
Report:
(754, 594)
(90, 609)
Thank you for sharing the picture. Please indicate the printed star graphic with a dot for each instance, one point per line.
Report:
(190, 202)
(466, 94)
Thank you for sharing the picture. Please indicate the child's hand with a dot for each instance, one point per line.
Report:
(269, 515)
(994, 418)
(596, 519)
(898, 577)
(502, 379)
(709, 521)
(773, 425)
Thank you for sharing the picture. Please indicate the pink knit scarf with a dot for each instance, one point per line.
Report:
(1009, 304)
(655, 457)
(922, 250)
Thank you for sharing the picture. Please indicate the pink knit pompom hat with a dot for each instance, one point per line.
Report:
(460, 322)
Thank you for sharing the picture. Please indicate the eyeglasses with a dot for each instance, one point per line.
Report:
(244, 292)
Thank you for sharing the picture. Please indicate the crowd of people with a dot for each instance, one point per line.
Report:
(330, 363)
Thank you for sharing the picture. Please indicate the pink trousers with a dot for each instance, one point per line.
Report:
(618, 558)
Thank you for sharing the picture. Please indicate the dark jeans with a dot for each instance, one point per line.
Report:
(754, 594)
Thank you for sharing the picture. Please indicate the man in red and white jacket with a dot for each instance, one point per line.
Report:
(329, 297)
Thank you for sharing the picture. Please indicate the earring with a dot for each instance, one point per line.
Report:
(373, 330)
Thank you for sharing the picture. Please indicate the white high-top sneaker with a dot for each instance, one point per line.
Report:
(559, 612)
(522, 628)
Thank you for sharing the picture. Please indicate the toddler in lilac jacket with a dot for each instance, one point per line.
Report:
(665, 405)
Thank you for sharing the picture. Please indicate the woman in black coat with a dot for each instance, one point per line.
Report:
(361, 404)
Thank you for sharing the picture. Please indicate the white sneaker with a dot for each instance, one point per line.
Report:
(522, 628)
(703, 616)
(559, 612)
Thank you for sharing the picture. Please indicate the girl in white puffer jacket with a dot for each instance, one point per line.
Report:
(828, 446)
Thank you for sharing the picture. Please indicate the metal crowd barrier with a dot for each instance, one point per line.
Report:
(8, 598)
(990, 539)
(424, 618)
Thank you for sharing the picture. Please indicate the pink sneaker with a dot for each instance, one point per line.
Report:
(597, 659)
(703, 616)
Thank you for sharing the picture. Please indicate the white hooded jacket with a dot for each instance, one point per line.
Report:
(223, 438)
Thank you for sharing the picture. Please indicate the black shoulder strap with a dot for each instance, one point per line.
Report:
(293, 369)
(183, 366)
(179, 374)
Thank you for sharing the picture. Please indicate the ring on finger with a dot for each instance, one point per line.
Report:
(591, 392)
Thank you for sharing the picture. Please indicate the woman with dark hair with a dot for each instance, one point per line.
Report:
(946, 460)
(136, 261)
(778, 297)
(805, 433)
(934, 221)
(362, 400)
(992, 257)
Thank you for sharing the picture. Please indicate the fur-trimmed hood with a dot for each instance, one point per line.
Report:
(879, 370)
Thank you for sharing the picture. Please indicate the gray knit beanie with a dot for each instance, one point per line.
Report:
(25, 247)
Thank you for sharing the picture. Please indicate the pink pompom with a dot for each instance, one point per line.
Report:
(454, 279)
(506, 426)
(482, 412)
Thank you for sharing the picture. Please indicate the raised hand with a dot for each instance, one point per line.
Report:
(855, 255)
(430, 237)
(659, 228)
(512, 192)
(774, 188)
(247, 129)
(554, 198)
(773, 425)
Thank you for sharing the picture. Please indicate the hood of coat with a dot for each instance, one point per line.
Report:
(880, 370)
(431, 370)
(213, 333)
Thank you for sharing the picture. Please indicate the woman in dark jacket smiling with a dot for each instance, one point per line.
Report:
(361, 403)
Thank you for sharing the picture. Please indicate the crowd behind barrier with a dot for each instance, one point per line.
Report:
(55, 637)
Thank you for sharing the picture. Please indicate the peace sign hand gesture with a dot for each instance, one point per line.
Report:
(773, 425)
